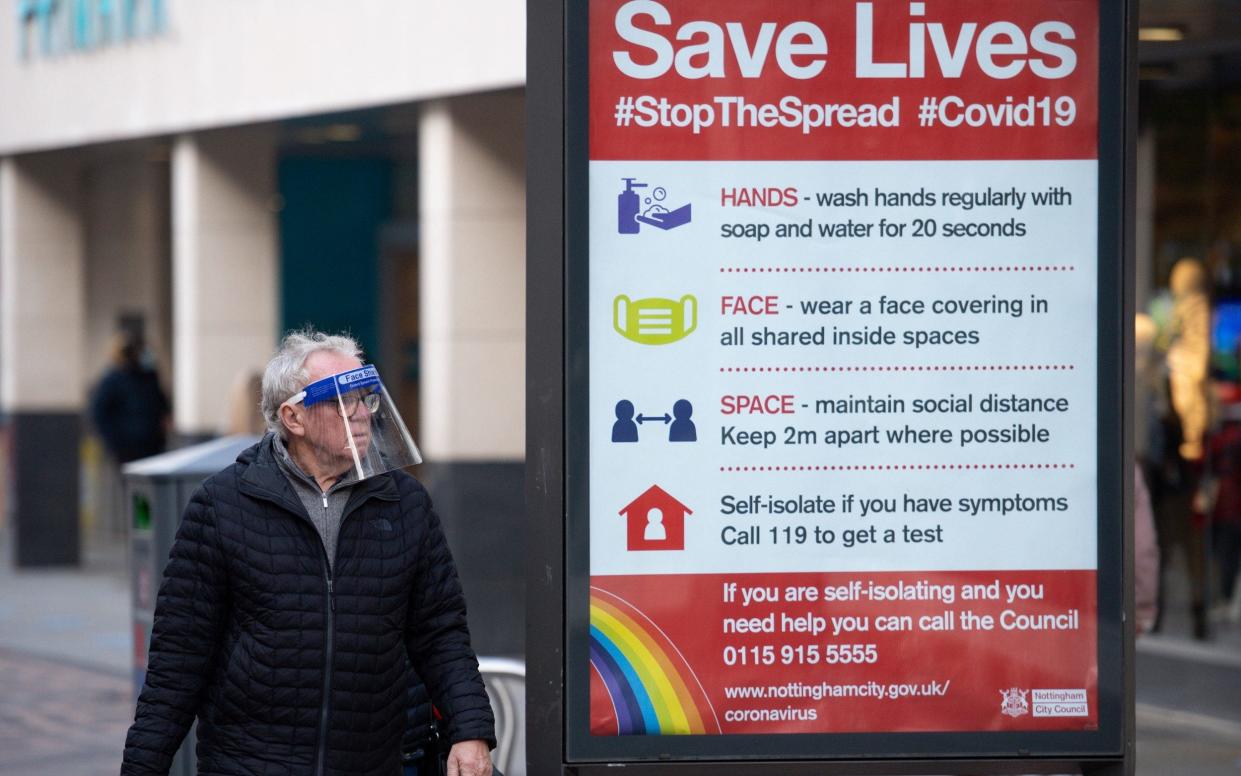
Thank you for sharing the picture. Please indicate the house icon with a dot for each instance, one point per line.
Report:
(655, 521)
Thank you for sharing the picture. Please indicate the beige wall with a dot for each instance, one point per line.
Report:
(231, 62)
(472, 281)
(225, 268)
(42, 284)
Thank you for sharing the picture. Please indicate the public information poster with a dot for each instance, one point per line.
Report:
(843, 367)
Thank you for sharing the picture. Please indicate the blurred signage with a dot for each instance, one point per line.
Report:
(55, 27)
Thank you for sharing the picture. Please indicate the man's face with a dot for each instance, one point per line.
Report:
(324, 425)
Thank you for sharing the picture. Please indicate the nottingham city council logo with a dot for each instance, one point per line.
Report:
(1015, 703)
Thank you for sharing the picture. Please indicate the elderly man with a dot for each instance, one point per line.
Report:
(301, 579)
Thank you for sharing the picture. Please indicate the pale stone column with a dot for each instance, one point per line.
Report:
(225, 268)
(472, 278)
(472, 313)
(42, 379)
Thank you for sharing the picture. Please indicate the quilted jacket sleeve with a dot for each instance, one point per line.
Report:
(189, 617)
(439, 642)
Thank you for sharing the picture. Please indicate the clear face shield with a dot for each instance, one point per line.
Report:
(350, 424)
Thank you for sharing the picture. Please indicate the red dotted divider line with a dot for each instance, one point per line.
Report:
(942, 368)
(906, 467)
(914, 269)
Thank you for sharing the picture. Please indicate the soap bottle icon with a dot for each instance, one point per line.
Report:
(628, 205)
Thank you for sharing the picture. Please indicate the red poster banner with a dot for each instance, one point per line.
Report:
(832, 80)
(843, 652)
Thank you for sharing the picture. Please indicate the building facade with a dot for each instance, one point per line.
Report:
(214, 174)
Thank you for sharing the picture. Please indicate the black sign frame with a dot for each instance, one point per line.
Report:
(558, 464)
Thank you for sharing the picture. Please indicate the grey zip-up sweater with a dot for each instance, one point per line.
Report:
(325, 509)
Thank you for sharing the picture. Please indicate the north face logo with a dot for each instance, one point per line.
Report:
(382, 524)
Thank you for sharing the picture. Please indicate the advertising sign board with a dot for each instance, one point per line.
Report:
(844, 344)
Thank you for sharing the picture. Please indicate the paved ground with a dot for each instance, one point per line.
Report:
(76, 617)
(65, 691)
(1185, 747)
(60, 720)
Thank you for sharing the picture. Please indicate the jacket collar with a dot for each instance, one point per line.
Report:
(262, 478)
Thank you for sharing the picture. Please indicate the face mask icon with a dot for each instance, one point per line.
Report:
(654, 321)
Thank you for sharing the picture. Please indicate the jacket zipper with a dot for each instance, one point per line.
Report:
(327, 670)
(327, 663)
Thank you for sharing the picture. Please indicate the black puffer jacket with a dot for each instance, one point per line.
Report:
(289, 668)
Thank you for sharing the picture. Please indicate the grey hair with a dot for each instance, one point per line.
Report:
(286, 373)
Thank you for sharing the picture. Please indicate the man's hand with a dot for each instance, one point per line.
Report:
(469, 758)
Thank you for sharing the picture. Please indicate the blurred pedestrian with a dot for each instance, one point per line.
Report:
(128, 407)
(1146, 556)
(301, 580)
(1188, 360)
(1224, 468)
(244, 413)
(130, 412)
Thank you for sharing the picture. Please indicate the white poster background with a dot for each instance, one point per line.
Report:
(1054, 352)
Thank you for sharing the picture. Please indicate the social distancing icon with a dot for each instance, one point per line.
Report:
(680, 422)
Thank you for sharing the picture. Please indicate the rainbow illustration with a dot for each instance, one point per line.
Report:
(652, 690)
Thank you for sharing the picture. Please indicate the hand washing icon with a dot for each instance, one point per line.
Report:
(633, 210)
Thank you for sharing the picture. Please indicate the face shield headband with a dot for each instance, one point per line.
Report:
(351, 422)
